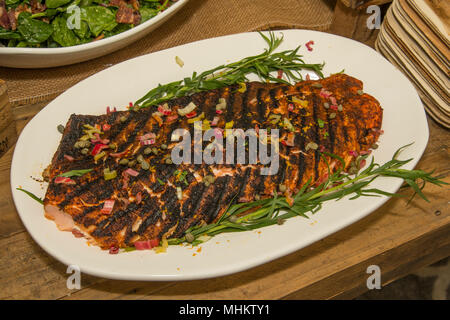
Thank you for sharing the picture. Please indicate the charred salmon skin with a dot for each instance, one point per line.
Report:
(128, 189)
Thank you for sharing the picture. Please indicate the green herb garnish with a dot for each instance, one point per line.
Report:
(160, 181)
(266, 212)
(263, 65)
(64, 23)
(75, 173)
(33, 196)
(181, 176)
(321, 123)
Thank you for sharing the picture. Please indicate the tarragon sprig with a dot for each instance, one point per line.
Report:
(263, 65)
(271, 211)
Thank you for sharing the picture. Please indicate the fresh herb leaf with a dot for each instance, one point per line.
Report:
(82, 32)
(75, 173)
(9, 35)
(62, 34)
(33, 196)
(254, 215)
(263, 65)
(33, 31)
(56, 3)
(99, 19)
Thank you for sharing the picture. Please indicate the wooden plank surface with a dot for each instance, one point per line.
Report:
(8, 134)
(397, 237)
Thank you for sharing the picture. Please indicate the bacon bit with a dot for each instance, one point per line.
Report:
(124, 14)
(353, 153)
(37, 7)
(308, 77)
(131, 172)
(191, 114)
(113, 250)
(322, 148)
(146, 245)
(280, 74)
(4, 19)
(108, 207)
(67, 157)
(97, 148)
(325, 94)
(77, 233)
(309, 44)
(135, 4)
(12, 19)
(257, 129)
(219, 111)
(363, 153)
(290, 107)
(138, 197)
(106, 127)
(100, 37)
(64, 180)
(333, 101)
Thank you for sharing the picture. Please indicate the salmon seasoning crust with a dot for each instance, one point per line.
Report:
(112, 176)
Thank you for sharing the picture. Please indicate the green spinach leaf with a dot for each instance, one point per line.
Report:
(83, 31)
(9, 35)
(147, 13)
(99, 19)
(62, 34)
(33, 31)
(121, 27)
(56, 3)
(10, 2)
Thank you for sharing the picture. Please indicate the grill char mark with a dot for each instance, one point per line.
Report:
(201, 203)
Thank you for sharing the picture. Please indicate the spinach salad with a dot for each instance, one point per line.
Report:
(65, 23)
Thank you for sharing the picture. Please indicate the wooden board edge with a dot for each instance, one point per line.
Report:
(351, 282)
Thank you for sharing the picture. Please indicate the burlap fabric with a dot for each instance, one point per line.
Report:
(199, 19)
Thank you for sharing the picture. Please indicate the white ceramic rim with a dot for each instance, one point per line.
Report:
(95, 44)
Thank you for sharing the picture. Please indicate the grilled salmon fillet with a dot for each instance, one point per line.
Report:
(331, 114)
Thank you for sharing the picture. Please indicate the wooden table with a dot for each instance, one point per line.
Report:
(399, 238)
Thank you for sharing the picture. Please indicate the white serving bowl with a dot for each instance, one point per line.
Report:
(54, 57)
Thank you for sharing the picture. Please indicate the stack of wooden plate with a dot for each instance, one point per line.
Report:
(415, 37)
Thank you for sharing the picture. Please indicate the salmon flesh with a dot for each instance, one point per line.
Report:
(330, 115)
